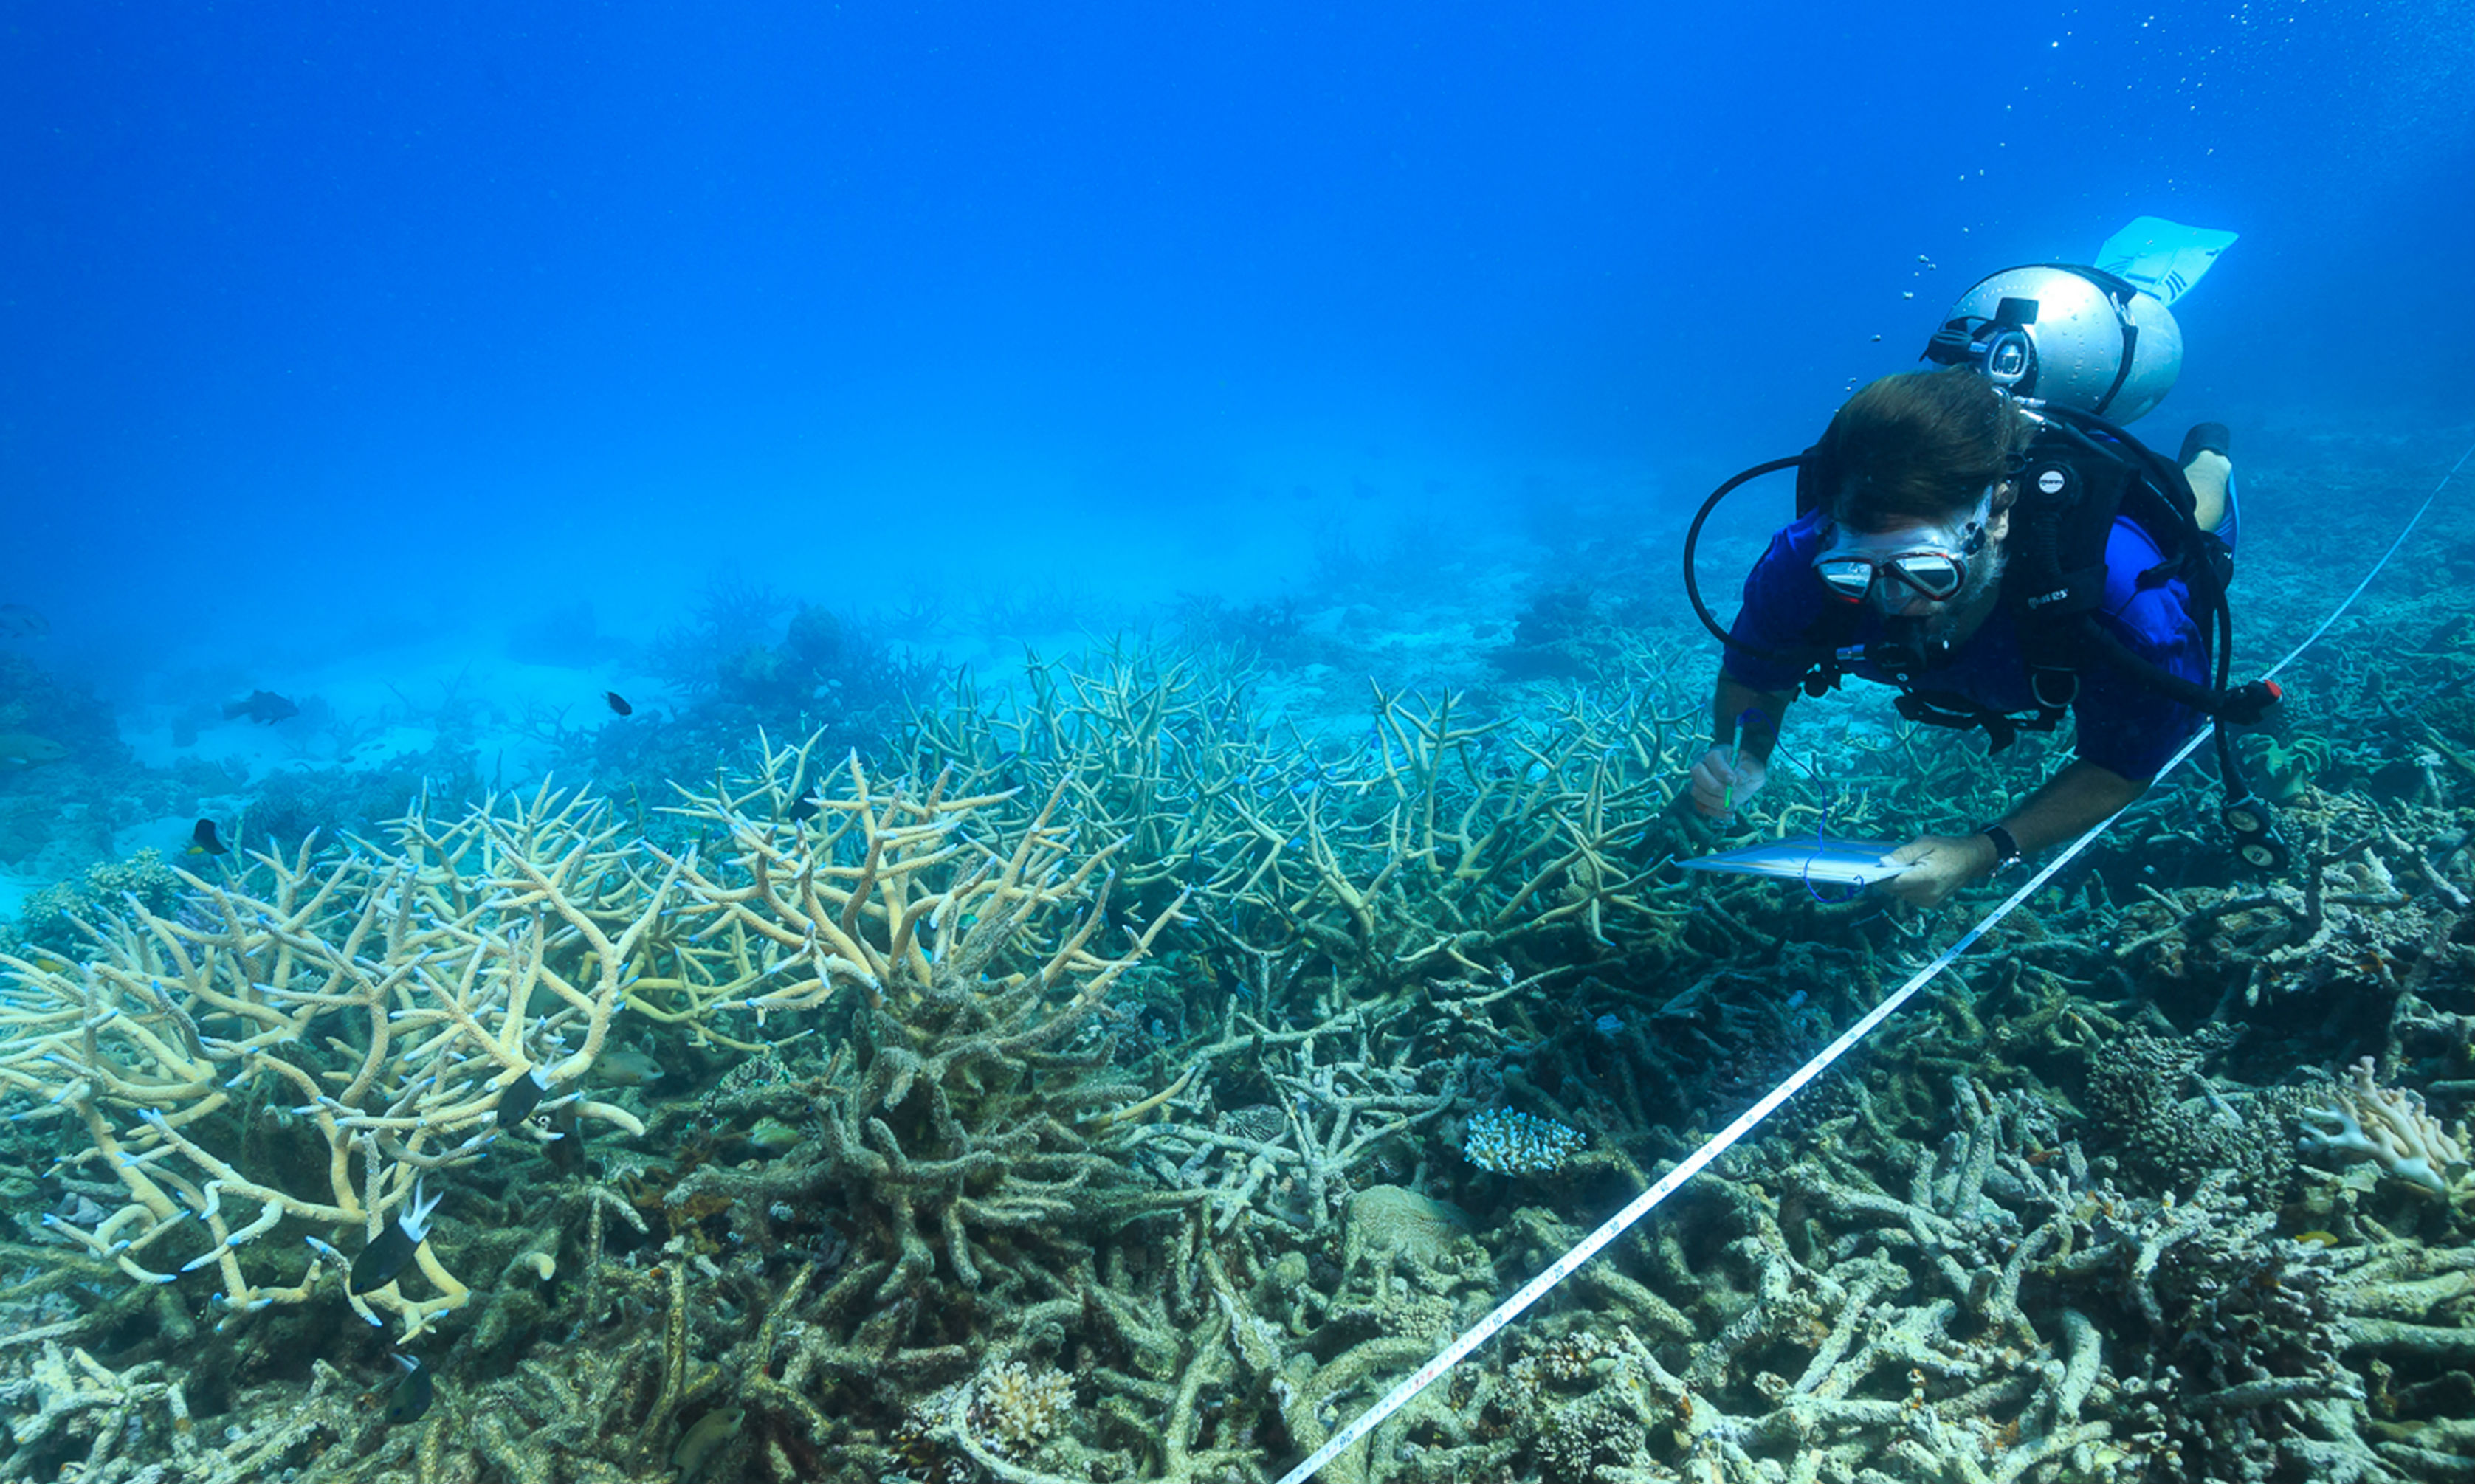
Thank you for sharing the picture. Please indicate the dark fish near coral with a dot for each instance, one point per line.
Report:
(23, 750)
(619, 703)
(411, 1396)
(19, 622)
(804, 807)
(702, 1441)
(263, 706)
(521, 1097)
(391, 1250)
(204, 841)
(624, 1066)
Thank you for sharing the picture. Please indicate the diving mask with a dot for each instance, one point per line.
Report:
(1931, 561)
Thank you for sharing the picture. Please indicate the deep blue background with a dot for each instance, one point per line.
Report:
(417, 316)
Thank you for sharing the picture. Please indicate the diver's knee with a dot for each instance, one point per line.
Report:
(2210, 474)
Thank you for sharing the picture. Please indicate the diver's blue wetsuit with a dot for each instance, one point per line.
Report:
(2122, 725)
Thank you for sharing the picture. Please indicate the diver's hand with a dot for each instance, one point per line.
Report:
(1938, 865)
(1724, 779)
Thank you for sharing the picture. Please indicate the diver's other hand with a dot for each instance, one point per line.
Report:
(1938, 865)
(1724, 779)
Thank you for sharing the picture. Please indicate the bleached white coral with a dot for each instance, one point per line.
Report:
(2390, 1127)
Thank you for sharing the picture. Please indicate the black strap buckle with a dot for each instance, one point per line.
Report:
(1915, 706)
(2006, 850)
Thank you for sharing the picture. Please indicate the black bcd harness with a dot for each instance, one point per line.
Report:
(2078, 476)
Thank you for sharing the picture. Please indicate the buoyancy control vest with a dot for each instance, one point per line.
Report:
(2078, 475)
(2072, 485)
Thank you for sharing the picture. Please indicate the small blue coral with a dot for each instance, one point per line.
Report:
(1513, 1143)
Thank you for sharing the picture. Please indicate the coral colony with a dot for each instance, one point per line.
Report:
(1111, 1087)
(1515, 1143)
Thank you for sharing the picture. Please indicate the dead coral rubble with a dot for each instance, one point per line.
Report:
(2003, 1312)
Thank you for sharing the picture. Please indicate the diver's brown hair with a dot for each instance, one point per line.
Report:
(1921, 445)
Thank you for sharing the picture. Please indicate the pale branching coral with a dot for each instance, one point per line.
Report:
(304, 1049)
(2390, 1127)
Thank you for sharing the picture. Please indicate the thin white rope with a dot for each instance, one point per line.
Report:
(2348, 601)
(1727, 1138)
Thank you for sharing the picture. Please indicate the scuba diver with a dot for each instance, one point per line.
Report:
(1987, 538)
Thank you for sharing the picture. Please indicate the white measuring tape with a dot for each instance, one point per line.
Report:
(1727, 1138)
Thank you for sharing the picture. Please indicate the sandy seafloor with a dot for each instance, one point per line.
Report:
(516, 718)
(1431, 628)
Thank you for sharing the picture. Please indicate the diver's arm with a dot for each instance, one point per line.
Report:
(2071, 802)
(1728, 711)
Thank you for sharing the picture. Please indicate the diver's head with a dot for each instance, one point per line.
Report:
(1919, 448)
(1916, 472)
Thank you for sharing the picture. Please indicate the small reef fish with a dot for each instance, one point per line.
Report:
(624, 1066)
(772, 1136)
(804, 807)
(19, 750)
(19, 622)
(411, 1396)
(263, 707)
(619, 703)
(204, 841)
(703, 1441)
(391, 1250)
(521, 1097)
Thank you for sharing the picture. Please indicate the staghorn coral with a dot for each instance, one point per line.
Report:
(1438, 845)
(963, 1132)
(70, 1415)
(1354, 1095)
(305, 1056)
(1993, 1308)
(1909, 1277)
(2370, 913)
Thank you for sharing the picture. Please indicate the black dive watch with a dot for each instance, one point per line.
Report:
(2006, 850)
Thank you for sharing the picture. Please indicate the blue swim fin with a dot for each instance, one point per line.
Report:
(2165, 259)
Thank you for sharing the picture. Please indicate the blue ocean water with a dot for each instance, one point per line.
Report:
(348, 348)
(433, 403)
